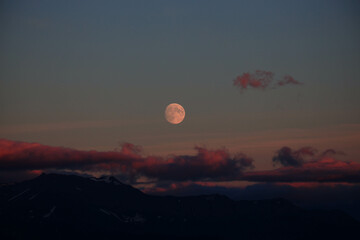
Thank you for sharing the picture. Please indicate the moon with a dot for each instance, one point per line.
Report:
(174, 113)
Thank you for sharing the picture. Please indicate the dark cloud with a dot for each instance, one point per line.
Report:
(211, 164)
(287, 157)
(331, 152)
(206, 164)
(262, 80)
(324, 170)
(302, 165)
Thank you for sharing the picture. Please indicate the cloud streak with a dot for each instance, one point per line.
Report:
(324, 170)
(302, 165)
(307, 165)
(262, 80)
(206, 164)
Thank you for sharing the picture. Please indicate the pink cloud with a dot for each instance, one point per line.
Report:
(214, 164)
(262, 80)
(302, 165)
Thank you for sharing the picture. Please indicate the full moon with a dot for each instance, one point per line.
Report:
(174, 113)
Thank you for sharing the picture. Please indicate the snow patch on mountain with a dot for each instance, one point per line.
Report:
(49, 213)
(33, 196)
(18, 195)
(126, 219)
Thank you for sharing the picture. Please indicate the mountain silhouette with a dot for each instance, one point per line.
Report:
(56, 206)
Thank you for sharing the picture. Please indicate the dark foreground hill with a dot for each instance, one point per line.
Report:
(54, 206)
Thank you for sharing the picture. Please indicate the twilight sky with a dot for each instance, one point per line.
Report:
(90, 75)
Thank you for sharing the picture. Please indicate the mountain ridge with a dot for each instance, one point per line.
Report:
(73, 206)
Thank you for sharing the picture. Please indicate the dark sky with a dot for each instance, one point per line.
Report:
(91, 75)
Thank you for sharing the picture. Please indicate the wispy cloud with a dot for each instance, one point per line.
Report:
(262, 80)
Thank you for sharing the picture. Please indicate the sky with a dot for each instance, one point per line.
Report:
(270, 90)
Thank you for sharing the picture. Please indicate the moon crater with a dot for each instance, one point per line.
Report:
(174, 113)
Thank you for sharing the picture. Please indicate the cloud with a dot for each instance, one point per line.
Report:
(307, 165)
(262, 80)
(259, 79)
(325, 170)
(302, 165)
(287, 157)
(33, 156)
(287, 80)
(206, 164)
(331, 152)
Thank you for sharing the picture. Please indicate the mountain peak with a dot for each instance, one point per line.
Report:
(104, 178)
(107, 179)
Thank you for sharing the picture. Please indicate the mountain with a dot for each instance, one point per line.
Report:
(54, 206)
